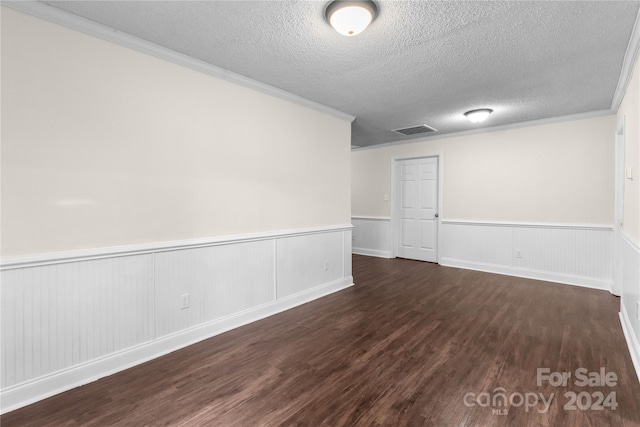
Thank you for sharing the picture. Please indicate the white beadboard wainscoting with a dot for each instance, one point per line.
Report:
(630, 299)
(372, 236)
(574, 254)
(71, 318)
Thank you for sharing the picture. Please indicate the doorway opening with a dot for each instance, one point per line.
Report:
(616, 283)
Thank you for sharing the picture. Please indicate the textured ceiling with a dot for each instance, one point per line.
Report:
(419, 62)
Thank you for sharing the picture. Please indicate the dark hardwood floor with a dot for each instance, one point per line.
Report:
(411, 344)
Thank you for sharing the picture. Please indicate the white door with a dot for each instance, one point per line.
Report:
(416, 211)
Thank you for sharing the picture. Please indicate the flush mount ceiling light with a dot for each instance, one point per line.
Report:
(478, 116)
(350, 18)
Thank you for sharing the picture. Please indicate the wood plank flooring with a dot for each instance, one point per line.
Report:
(403, 347)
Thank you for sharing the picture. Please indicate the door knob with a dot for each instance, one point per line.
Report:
(436, 215)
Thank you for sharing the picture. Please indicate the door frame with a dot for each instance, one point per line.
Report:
(395, 160)
(618, 207)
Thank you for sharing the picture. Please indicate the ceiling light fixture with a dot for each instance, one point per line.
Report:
(350, 18)
(478, 116)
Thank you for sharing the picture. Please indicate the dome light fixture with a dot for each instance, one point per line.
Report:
(478, 116)
(350, 18)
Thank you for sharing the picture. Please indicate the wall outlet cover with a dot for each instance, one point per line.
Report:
(184, 301)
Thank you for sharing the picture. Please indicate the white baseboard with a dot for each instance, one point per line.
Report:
(632, 342)
(371, 252)
(567, 279)
(58, 382)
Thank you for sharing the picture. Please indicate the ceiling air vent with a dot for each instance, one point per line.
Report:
(415, 130)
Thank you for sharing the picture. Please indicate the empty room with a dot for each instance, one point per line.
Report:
(320, 213)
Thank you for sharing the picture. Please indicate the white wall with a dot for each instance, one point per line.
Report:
(554, 173)
(522, 201)
(129, 181)
(106, 146)
(629, 111)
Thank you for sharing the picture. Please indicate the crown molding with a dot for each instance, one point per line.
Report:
(630, 58)
(78, 23)
(530, 123)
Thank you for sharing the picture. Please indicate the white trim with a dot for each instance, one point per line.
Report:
(632, 341)
(372, 218)
(618, 206)
(439, 155)
(144, 248)
(518, 125)
(393, 201)
(78, 23)
(566, 279)
(371, 252)
(630, 57)
(26, 393)
(528, 224)
(627, 238)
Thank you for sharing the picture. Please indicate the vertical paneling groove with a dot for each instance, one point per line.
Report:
(9, 357)
(152, 301)
(274, 261)
(25, 354)
(346, 253)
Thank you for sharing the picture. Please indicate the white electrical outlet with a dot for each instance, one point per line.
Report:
(518, 253)
(325, 266)
(184, 301)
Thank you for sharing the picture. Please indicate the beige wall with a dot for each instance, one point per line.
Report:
(629, 110)
(555, 173)
(105, 146)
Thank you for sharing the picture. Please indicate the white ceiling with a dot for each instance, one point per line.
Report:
(418, 63)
